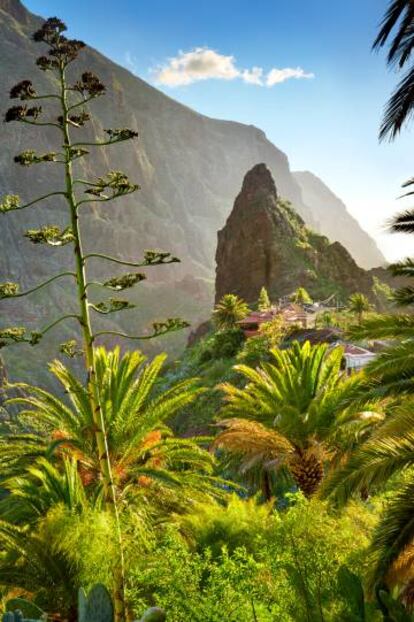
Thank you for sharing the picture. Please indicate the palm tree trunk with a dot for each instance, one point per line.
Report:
(307, 471)
(266, 485)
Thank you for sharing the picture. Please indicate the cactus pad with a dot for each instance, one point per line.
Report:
(99, 607)
(154, 614)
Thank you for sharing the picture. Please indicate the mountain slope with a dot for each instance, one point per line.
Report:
(189, 167)
(333, 220)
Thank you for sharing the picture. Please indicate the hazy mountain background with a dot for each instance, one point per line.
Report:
(190, 169)
(331, 218)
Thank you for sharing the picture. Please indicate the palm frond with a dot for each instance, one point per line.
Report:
(41, 487)
(394, 533)
(342, 405)
(390, 450)
(252, 442)
(138, 392)
(399, 109)
(391, 18)
(386, 326)
(404, 296)
(17, 451)
(405, 267)
(403, 223)
(393, 369)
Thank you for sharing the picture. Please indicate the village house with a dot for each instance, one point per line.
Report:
(295, 314)
(292, 314)
(250, 325)
(356, 357)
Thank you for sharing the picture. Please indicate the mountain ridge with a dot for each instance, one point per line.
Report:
(338, 224)
(189, 167)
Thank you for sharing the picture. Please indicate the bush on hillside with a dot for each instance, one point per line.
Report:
(239, 523)
(284, 566)
(222, 344)
(256, 349)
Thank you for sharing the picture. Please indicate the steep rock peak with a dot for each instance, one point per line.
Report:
(265, 243)
(258, 182)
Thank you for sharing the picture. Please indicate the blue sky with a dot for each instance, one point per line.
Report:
(327, 123)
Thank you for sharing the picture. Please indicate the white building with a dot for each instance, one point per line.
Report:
(356, 357)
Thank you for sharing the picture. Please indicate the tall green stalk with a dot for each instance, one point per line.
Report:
(71, 100)
(88, 339)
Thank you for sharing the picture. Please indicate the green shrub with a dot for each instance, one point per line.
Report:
(241, 523)
(255, 350)
(194, 586)
(304, 552)
(285, 564)
(222, 344)
(200, 361)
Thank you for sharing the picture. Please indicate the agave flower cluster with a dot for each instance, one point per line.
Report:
(62, 51)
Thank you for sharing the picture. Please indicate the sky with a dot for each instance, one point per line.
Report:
(301, 70)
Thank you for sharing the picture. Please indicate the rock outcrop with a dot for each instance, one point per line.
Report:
(266, 243)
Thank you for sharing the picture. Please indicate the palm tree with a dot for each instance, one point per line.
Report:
(31, 561)
(263, 303)
(358, 304)
(43, 486)
(294, 413)
(56, 536)
(398, 19)
(301, 296)
(149, 463)
(391, 450)
(391, 373)
(381, 459)
(30, 564)
(229, 311)
(52, 465)
(388, 456)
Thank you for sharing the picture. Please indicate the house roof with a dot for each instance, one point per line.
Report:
(291, 307)
(258, 317)
(290, 312)
(316, 335)
(352, 350)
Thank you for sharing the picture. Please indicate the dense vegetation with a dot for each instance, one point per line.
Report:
(252, 480)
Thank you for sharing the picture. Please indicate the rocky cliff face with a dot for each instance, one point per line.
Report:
(189, 168)
(265, 242)
(332, 219)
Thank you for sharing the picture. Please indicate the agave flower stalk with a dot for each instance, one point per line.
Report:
(71, 100)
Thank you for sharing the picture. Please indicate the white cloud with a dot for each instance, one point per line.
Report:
(253, 75)
(206, 64)
(199, 64)
(276, 76)
(130, 61)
